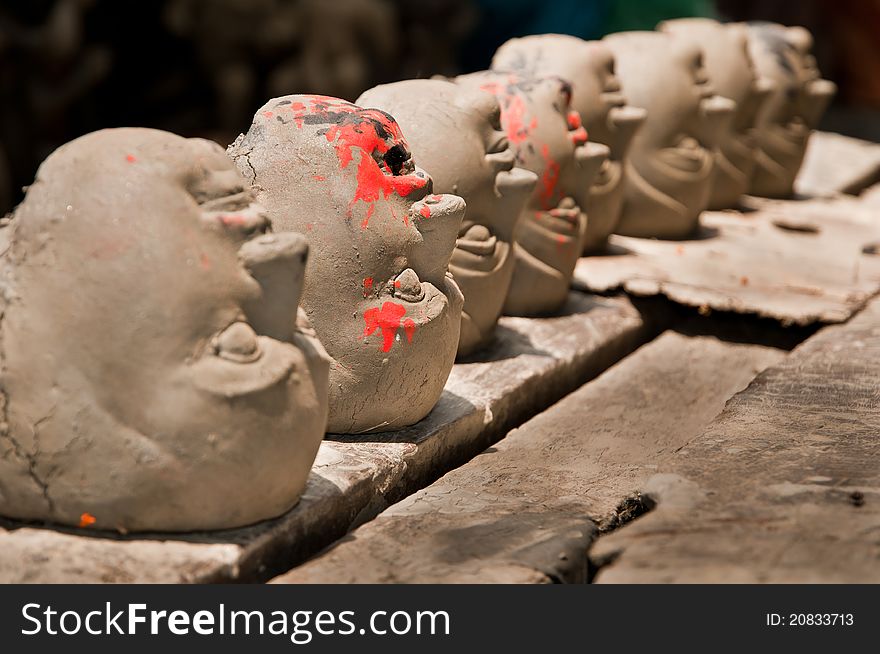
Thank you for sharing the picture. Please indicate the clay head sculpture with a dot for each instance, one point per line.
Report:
(671, 159)
(795, 106)
(597, 97)
(155, 373)
(455, 134)
(732, 74)
(377, 292)
(547, 138)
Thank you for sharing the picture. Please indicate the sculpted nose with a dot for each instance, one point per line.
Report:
(278, 262)
(438, 219)
(716, 113)
(817, 96)
(625, 122)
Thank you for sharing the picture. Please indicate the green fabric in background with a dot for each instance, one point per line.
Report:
(629, 15)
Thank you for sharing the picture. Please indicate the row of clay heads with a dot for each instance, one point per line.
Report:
(169, 364)
(729, 109)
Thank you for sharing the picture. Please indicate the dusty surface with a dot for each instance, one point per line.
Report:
(835, 163)
(526, 509)
(534, 363)
(796, 262)
(43, 556)
(784, 486)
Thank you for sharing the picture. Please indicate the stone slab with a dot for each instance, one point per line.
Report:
(527, 509)
(796, 262)
(533, 363)
(835, 163)
(783, 487)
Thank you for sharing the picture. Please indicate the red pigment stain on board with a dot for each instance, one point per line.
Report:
(368, 285)
(130, 158)
(549, 178)
(387, 319)
(87, 520)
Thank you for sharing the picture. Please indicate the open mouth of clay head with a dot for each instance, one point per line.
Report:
(687, 156)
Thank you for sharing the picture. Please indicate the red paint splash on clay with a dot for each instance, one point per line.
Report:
(409, 327)
(368, 285)
(205, 262)
(425, 211)
(577, 132)
(549, 179)
(130, 158)
(371, 132)
(514, 112)
(387, 319)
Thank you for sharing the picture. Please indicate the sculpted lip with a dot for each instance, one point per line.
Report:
(688, 155)
(477, 240)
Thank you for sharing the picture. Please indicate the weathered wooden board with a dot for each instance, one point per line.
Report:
(533, 363)
(784, 486)
(795, 262)
(527, 509)
(835, 163)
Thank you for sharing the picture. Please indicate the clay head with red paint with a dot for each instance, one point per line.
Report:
(455, 134)
(597, 97)
(799, 97)
(547, 138)
(669, 169)
(156, 375)
(733, 76)
(378, 291)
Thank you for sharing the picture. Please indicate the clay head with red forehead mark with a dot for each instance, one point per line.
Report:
(669, 169)
(455, 134)
(548, 139)
(732, 75)
(378, 290)
(596, 96)
(155, 373)
(783, 58)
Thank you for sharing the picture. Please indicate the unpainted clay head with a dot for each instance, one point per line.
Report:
(732, 74)
(155, 373)
(782, 55)
(669, 168)
(455, 134)
(378, 291)
(597, 97)
(547, 138)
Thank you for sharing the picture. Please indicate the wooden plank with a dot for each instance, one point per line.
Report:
(835, 163)
(534, 363)
(527, 509)
(795, 262)
(783, 487)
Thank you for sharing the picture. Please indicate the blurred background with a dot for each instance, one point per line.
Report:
(203, 67)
